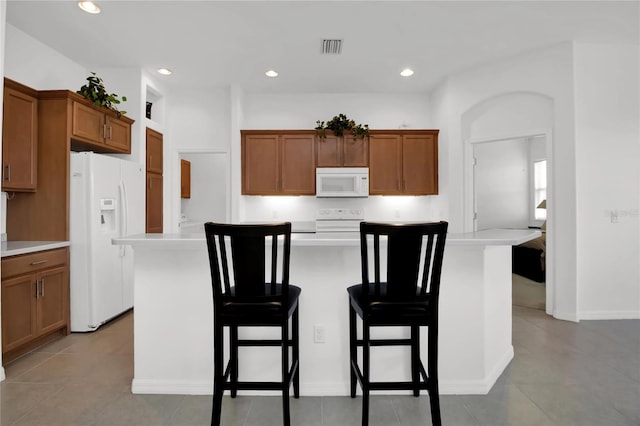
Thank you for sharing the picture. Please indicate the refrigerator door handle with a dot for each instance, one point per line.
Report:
(123, 216)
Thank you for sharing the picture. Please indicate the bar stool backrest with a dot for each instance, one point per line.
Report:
(414, 255)
(238, 260)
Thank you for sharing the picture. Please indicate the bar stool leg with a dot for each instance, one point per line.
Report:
(285, 374)
(432, 372)
(233, 354)
(296, 353)
(365, 373)
(353, 349)
(415, 359)
(218, 374)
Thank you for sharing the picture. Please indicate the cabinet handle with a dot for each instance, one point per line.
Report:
(7, 174)
(39, 262)
(37, 288)
(110, 132)
(104, 131)
(42, 287)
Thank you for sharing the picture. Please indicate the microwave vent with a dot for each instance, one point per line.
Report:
(331, 46)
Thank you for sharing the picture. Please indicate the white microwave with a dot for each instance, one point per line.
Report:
(342, 182)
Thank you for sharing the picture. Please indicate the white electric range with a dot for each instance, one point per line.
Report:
(339, 219)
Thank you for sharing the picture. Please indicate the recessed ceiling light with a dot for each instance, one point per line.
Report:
(271, 73)
(164, 71)
(407, 72)
(89, 7)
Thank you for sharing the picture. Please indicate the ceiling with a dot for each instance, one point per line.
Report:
(218, 43)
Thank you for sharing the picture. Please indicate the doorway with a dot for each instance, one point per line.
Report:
(209, 190)
(508, 191)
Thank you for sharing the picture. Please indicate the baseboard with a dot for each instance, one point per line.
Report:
(566, 316)
(477, 387)
(609, 315)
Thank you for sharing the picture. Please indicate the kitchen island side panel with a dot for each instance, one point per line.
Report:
(173, 343)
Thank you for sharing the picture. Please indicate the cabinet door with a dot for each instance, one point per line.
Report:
(419, 165)
(385, 164)
(355, 152)
(329, 152)
(154, 151)
(154, 203)
(19, 141)
(185, 179)
(260, 165)
(118, 135)
(19, 318)
(88, 123)
(52, 299)
(298, 165)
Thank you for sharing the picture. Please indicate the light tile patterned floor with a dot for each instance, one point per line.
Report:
(585, 374)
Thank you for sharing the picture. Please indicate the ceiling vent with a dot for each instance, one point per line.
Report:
(331, 47)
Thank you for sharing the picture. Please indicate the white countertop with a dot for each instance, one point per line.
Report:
(14, 248)
(495, 237)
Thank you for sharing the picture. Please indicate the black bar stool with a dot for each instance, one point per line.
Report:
(408, 297)
(244, 297)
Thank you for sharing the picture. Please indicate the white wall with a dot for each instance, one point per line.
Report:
(546, 75)
(608, 176)
(34, 64)
(301, 111)
(592, 159)
(196, 121)
(502, 184)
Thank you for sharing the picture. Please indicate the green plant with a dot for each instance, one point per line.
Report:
(95, 91)
(339, 124)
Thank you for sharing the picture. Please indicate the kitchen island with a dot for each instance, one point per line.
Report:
(173, 318)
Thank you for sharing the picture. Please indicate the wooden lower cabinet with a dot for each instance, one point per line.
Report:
(35, 300)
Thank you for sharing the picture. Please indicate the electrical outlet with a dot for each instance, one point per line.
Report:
(614, 217)
(319, 333)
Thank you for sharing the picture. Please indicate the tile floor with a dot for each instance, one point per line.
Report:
(562, 374)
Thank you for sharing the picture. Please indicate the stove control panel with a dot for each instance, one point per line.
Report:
(340, 214)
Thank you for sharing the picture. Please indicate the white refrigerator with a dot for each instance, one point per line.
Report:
(107, 201)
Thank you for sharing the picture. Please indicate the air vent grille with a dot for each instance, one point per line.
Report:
(331, 46)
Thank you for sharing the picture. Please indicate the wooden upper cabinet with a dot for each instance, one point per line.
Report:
(154, 151)
(260, 164)
(118, 134)
(404, 163)
(278, 163)
(99, 130)
(185, 179)
(342, 151)
(19, 138)
(88, 123)
(420, 164)
(385, 164)
(298, 165)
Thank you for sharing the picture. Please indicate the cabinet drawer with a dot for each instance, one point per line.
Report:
(22, 264)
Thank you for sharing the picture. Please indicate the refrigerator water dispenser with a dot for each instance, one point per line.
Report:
(108, 215)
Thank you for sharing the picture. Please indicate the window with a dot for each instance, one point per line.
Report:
(539, 188)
